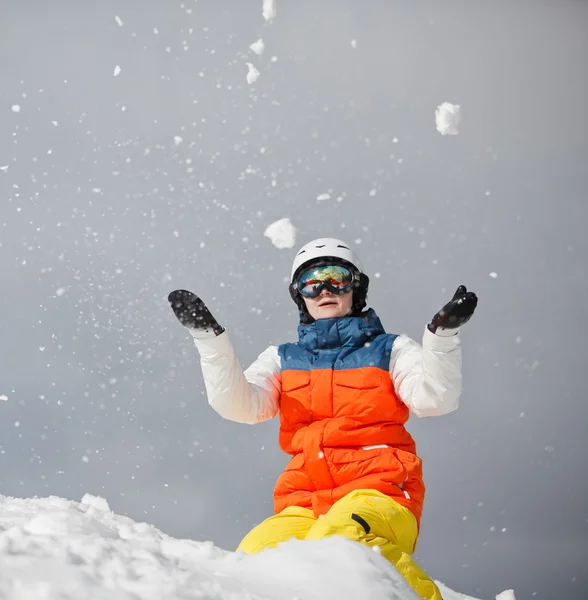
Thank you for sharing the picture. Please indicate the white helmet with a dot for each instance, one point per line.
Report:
(324, 248)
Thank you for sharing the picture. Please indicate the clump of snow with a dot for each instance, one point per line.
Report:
(282, 233)
(96, 502)
(354, 43)
(269, 9)
(16, 108)
(494, 275)
(55, 549)
(4, 168)
(448, 118)
(118, 20)
(252, 74)
(324, 196)
(178, 140)
(4, 398)
(506, 595)
(258, 47)
(117, 70)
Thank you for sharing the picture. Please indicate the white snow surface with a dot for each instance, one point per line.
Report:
(57, 549)
(448, 118)
(282, 233)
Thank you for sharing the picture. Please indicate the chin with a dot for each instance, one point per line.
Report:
(329, 313)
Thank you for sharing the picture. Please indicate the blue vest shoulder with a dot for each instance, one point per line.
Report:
(375, 353)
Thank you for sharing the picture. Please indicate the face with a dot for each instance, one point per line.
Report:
(328, 305)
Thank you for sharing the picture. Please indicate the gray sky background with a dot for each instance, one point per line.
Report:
(102, 215)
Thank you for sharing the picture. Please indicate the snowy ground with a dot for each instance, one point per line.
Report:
(52, 548)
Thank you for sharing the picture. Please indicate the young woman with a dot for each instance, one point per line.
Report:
(343, 392)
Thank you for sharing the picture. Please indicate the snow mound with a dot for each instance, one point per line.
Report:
(56, 549)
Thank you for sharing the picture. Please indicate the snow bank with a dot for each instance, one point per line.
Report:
(52, 548)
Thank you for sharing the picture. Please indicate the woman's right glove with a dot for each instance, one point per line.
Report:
(193, 313)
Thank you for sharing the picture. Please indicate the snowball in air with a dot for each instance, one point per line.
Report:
(258, 47)
(116, 70)
(252, 74)
(16, 108)
(281, 233)
(4, 398)
(447, 118)
(269, 9)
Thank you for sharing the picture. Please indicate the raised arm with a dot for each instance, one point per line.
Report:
(246, 397)
(428, 378)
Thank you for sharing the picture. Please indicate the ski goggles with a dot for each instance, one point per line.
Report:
(336, 278)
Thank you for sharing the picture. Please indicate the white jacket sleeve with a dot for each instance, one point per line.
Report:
(246, 397)
(427, 378)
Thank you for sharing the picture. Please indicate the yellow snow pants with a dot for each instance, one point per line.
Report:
(366, 516)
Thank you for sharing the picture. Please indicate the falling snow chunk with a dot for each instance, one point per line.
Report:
(4, 398)
(60, 291)
(269, 9)
(118, 20)
(494, 275)
(282, 233)
(16, 108)
(4, 168)
(116, 70)
(354, 43)
(258, 47)
(447, 118)
(178, 140)
(325, 196)
(252, 74)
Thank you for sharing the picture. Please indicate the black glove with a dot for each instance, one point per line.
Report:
(192, 312)
(456, 312)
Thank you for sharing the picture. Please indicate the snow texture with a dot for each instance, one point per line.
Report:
(448, 118)
(57, 549)
(282, 233)
(252, 73)
(257, 47)
(269, 10)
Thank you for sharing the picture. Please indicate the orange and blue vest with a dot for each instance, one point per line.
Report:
(341, 420)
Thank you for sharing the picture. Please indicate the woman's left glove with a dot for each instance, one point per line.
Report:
(456, 312)
(193, 313)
